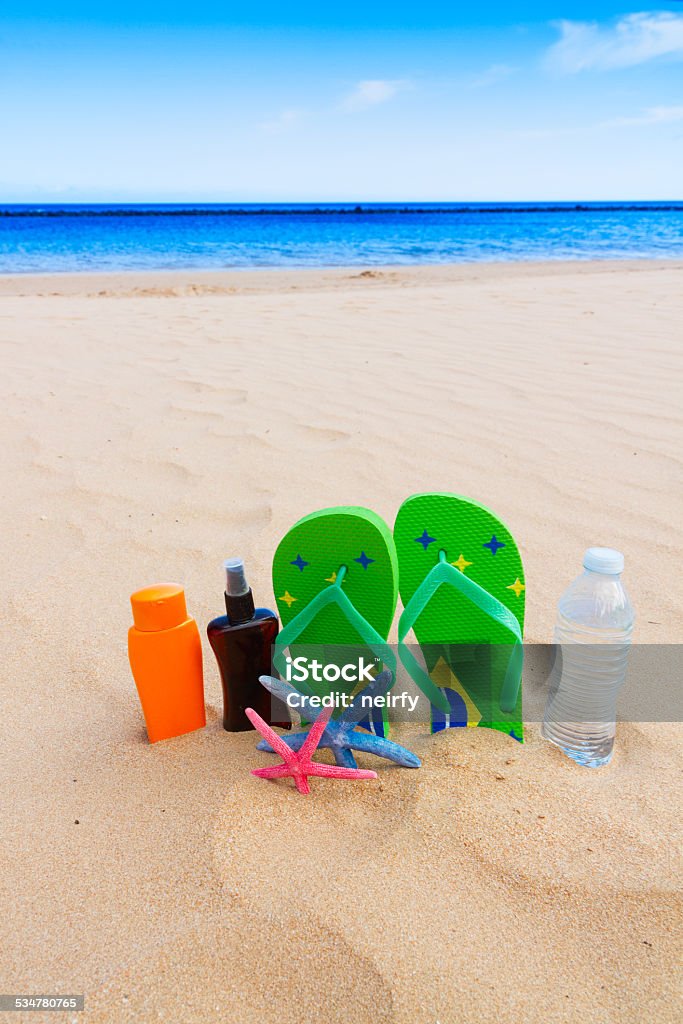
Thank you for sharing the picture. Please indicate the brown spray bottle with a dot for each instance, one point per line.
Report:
(242, 640)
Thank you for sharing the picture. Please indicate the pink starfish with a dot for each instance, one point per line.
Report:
(298, 764)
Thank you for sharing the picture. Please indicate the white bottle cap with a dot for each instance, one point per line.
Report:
(605, 560)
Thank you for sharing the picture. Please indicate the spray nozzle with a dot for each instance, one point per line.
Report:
(235, 578)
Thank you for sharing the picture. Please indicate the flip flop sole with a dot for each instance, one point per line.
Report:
(311, 554)
(478, 544)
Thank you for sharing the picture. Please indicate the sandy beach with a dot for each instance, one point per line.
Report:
(153, 424)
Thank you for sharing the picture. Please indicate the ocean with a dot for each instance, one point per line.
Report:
(47, 238)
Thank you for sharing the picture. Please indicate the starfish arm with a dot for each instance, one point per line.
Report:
(379, 685)
(344, 757)
(295, 741)
(315, 734)
(377, 745)
(273, 771)
(301, 783)
(281, 689)
(332, 771)
(276, 742)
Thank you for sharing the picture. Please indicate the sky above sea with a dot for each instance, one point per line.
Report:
(299, 102)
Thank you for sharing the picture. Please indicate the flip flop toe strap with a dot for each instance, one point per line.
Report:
(332, 595)
(444, 573)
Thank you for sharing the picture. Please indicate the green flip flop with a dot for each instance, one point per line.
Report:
(462, 586)
(335, 578)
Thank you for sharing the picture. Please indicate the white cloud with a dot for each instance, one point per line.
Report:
(371, 92)
(633, 39)
(286, 119)
(653, 115)
(491, 76)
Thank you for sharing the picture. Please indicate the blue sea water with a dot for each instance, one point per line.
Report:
(221, 236)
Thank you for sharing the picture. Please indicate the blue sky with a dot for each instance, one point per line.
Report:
(382, 101)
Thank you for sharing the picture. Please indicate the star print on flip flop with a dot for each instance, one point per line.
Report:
(425, 540)
(299, 563)
(517, 586)
(364, 560)
(494, 544)
(288, 599)
(461, 563)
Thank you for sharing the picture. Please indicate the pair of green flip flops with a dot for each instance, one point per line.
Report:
(337, 574)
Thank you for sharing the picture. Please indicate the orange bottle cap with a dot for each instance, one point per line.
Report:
(159, 607)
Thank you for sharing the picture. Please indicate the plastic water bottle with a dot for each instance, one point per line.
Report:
(593, 632)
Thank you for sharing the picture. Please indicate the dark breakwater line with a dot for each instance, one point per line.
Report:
(321, 211)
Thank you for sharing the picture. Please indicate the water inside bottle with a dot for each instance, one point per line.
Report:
(593, 633)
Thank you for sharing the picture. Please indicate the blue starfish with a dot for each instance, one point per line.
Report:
(340, 734)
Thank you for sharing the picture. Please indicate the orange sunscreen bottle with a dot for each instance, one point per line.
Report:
(165, 655)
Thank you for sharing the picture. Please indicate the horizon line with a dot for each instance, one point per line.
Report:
(343, 205)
